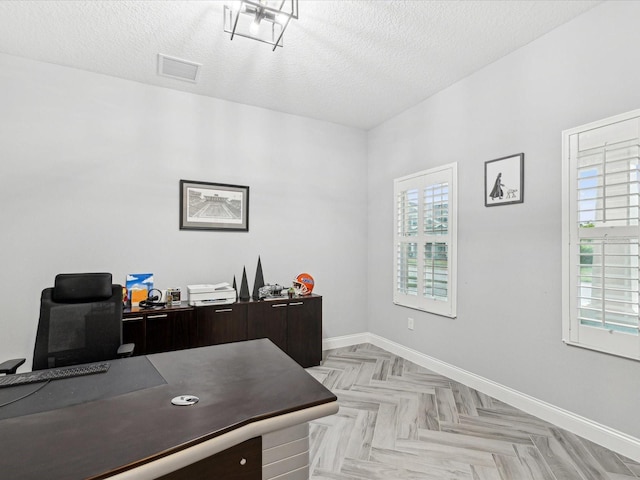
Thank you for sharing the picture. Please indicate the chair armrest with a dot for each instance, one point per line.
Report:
(10, 366)
(126, 350)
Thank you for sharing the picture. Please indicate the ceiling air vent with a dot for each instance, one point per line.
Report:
(177, 68)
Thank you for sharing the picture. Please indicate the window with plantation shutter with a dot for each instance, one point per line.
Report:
(601, 254)
(425, 240)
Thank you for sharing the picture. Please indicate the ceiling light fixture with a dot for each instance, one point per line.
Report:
(262, 20)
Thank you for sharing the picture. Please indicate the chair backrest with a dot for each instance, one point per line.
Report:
(80, 321)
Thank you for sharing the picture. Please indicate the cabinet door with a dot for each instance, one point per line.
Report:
(268, 319)
(159, 332)
(184, 329)
(242, 462)
(221, 324)
(133, 332)
(304, 331)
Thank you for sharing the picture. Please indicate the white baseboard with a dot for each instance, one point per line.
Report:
(345, 341)
(602, 435)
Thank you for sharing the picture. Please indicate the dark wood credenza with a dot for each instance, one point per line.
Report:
(293, 324)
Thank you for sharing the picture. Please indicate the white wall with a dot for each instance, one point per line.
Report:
(508, 327)
(90, 170)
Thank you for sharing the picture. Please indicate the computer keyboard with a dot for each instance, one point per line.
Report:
(52, 374)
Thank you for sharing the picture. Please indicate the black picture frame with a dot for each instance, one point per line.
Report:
(213, 206)
(504, 180)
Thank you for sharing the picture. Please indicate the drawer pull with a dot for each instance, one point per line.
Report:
(222, 310)
(243, 461)
(296, 303)
(164, 315)
(279, 305)
(131, 319)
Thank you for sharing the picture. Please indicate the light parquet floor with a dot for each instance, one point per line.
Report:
(398, 420)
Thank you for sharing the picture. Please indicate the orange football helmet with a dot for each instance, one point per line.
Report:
(303, 284)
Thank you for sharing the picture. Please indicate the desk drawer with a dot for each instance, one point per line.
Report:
(286, 435)
(275, 454)
(285, 454)
(299, 474)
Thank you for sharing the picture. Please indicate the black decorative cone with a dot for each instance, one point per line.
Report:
(244, 286)
(259, 282)
(235, 287)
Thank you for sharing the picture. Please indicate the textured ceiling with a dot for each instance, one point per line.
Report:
(352, 62)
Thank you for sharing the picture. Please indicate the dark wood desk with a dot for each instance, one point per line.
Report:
(246, 389)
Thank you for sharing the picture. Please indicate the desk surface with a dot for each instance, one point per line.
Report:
(237, 384)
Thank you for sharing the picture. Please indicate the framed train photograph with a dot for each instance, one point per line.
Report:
(213, 206)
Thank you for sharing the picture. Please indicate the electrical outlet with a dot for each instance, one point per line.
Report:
(410, 323)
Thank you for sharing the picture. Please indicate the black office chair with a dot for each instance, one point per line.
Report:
(10, 366)
(80, 322)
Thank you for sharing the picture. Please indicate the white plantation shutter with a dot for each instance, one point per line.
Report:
(601, 235)
(425, 240)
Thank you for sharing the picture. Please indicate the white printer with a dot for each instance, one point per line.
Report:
(206, 294)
